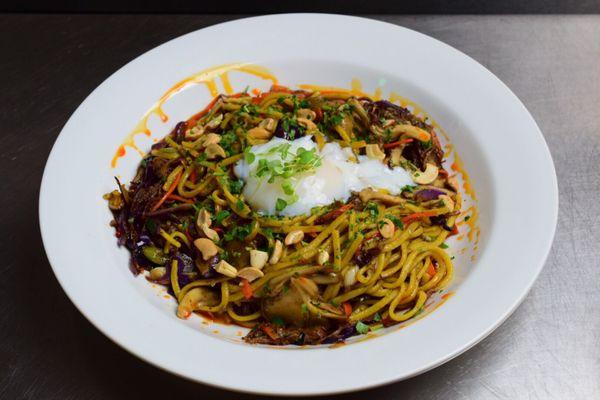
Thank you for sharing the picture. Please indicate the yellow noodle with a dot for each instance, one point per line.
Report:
(242, 318)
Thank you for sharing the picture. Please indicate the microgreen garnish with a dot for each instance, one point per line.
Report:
(285, 166)
(249, 157)
(280, 205)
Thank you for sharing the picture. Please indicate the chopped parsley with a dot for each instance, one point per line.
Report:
(201, 158)
(239, 232)
(221, 215)
(235, 186)
(227, 141)
(408, 188)
(250, 109)
(377, 317)
(372, 209)
(268, 233)
(397, 222)
(240, 205)
(332, 119)
(291, 127)
(444, 246)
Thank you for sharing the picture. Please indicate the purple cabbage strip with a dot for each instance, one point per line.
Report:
(428, 194)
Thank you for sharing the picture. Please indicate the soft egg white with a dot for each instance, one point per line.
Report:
(339, 174)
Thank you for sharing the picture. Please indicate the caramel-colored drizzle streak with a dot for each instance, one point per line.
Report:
(207, 77)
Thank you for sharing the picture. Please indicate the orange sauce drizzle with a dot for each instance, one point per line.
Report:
(459, 167)
(206, 77)
(473, 232)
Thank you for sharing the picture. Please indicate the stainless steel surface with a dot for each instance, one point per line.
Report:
(548, 349)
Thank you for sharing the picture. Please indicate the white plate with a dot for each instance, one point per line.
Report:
(501, 145)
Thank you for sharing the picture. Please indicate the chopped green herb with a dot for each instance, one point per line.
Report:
(377, 317)
(238, 232)
(201, 158)
(250, 109)
(235, 186)
(395, 220)
(240, 205)
(468, 217)
(287, 188)
(227, 141)
(408, 188)
(280, 205)
(444, 246)
(268, 232)
(362, 328)
(249, 157)
(287, 165)
(221, 215)
(372, 209)
(332, 119)
(426, 145)
(291, 127)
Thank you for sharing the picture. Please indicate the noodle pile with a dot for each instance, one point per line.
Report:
(344, 269)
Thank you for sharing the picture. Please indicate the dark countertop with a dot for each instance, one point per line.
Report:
(549, 348)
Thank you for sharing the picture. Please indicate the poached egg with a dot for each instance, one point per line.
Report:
(338, 174)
